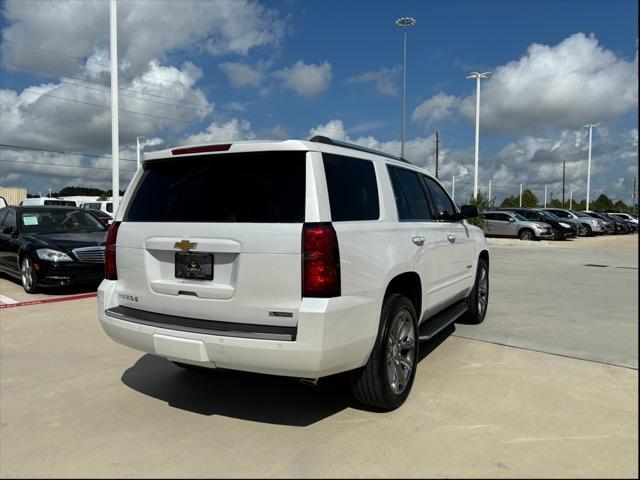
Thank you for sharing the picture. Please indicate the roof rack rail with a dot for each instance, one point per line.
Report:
(353, 146)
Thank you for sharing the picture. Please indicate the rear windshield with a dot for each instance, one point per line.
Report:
(264, 187)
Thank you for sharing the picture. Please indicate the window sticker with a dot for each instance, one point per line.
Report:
(32, 220)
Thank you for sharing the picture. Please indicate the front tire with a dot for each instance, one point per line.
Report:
(386, 380)
(478, 299)
(28, 275)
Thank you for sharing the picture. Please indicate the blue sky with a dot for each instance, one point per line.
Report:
(218, 71)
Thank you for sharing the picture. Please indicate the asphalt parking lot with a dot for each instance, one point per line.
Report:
(547, 386)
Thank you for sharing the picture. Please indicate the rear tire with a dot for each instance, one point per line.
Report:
(478, 299)
(386, 380)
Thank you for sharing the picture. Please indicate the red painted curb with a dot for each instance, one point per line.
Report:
(47, 300)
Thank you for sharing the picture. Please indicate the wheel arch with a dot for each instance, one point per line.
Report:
(409, 285)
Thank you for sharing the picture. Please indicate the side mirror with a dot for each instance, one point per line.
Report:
(469, 211)
(511, 219)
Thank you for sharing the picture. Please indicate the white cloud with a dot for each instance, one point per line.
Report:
(436, 109)
(147, 30)
(233, 130)
(66, 116)
(565, 86)
(419, 150)
(384, 80)
(241, 75)
(306, 80)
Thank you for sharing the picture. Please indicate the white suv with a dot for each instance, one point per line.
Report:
(295, 258)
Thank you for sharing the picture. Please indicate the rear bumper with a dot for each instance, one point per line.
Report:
(332, 336)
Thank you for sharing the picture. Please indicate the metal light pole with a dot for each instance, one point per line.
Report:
(563, 170)
(590, 127)
(545, 196)
(489, 191)
(570, 198)
(404, 23)
(478, 76)
(138, 150)
(520, 195)
(115, 144)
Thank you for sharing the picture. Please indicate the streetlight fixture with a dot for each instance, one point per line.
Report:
(138, 150)
(404, 23)
(478, 76)
(590, 127)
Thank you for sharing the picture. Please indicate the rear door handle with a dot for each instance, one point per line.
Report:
(418, 240)
(451, 238)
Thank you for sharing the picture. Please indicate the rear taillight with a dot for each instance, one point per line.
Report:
(110, 268)
(320, 261)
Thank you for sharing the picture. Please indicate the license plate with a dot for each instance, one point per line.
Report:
(194, 266)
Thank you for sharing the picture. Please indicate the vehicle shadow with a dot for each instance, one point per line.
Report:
(67, 290)
(248, 396)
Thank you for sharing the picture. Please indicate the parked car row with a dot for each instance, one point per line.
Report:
(555, 223)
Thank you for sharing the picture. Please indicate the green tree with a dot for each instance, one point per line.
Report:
(510, 202)
(581, 205)
(602, 203)
(620, 206)
(554, 203)
(482, 202)
(73, 191)
(529, 200)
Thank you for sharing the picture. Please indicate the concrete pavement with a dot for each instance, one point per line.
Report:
(75, 404)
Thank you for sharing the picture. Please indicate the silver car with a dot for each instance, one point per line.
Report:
(587, 225)
(511, 224)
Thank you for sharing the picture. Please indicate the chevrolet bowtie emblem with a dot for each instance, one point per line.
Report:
(185, 245)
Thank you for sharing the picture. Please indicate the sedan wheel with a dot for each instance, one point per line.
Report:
(28, 274)
(526, 234)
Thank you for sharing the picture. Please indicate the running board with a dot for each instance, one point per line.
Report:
(442, 320)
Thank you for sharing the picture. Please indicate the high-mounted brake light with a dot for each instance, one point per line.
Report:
(204, 149)
(321, 261)
(110, 268)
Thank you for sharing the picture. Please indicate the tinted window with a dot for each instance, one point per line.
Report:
(490, 216)
(443, 208)
(353, 192)
(560, 213)
(65, 203)
(503, 217)
(3, 213)
(265, 187)
(410, 196)
(109, 207)
(10, 220)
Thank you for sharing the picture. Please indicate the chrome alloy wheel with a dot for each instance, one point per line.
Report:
(27, 273)
(401, 351)
(483, 291)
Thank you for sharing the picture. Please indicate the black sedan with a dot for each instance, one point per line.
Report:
(51, 246)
